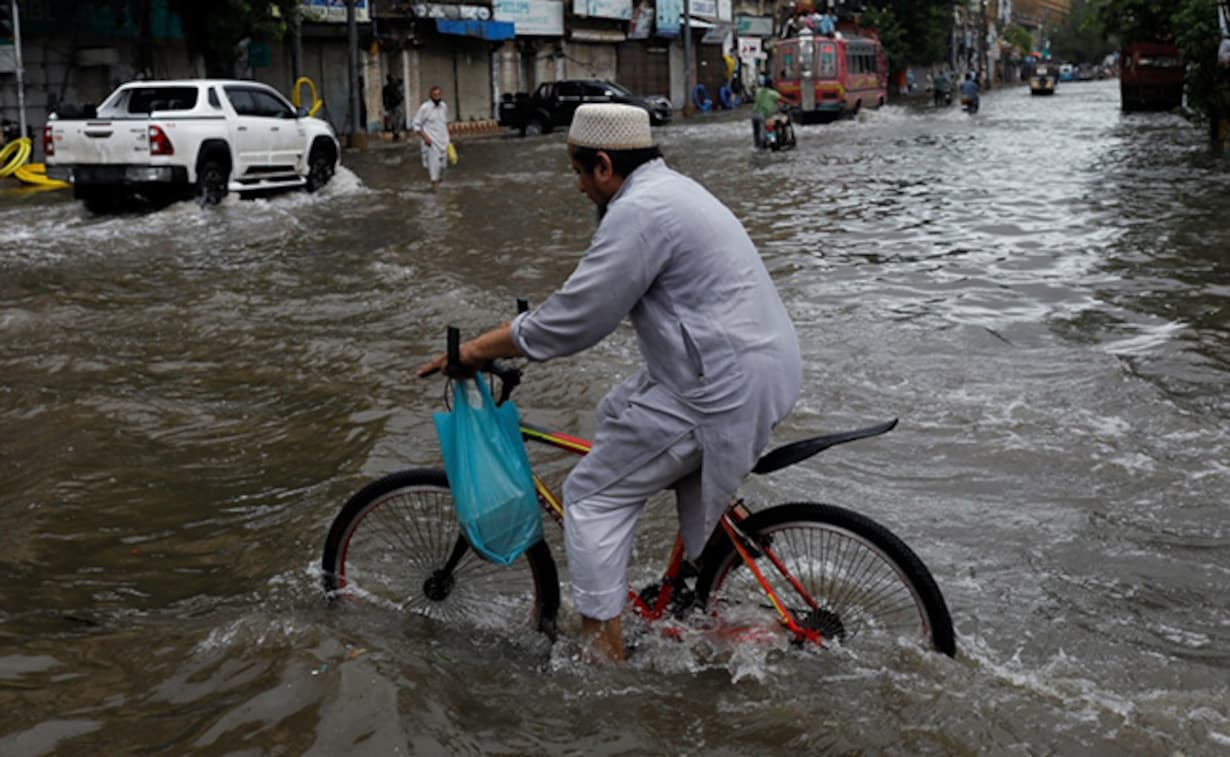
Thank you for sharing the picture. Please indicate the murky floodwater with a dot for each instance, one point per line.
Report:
(1039, 292)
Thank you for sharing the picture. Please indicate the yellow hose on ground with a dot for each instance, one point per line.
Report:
(295, 99)
(13, 155)
(35, 174)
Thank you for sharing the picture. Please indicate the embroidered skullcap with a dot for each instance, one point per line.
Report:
(609, 126)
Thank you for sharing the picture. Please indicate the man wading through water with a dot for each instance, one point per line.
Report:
(721, 359)
(431, 124)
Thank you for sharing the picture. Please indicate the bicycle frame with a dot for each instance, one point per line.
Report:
(672, 580)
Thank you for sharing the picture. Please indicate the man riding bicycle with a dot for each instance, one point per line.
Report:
(721, 358)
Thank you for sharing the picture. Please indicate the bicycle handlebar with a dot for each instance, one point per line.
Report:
(509, 376)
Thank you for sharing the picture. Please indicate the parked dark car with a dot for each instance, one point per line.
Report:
(551, 105)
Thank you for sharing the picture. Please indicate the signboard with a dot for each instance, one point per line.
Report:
(641, 25)
(714, 10)
(332, 11)
(754, 26)
(452, 12)
(703, 8)
(533, 17)
(717, 35)
(621, 9)
(667, 17)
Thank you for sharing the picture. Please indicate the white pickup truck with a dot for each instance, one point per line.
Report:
(168, 140)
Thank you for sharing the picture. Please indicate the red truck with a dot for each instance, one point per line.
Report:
(1150, 76)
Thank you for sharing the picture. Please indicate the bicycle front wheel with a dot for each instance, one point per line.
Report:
(838, 572)
(397, 543)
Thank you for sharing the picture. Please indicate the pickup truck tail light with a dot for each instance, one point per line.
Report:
(159, 143)
(49, 142)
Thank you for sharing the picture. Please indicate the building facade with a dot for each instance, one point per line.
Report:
(477, 52)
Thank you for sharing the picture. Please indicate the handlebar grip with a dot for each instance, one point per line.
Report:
(522, 305)
(454, 351)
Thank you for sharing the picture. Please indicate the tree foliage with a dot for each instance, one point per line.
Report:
(912, 31)
(1195, 28)
(1192, 26)
(212, 30)
(1020, 37)
(1127, 21)
(1082, 37)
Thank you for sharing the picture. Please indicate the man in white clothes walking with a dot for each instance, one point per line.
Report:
(431, 124)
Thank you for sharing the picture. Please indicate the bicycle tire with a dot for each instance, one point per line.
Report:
(864, 578)
(391, 539)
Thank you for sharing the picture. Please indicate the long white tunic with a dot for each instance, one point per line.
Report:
(721, 355)
(432, 119)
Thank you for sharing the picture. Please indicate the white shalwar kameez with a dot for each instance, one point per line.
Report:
(432, 119)
(722, 368)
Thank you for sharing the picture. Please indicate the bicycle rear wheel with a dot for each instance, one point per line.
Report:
(861, 579)
(397, 543)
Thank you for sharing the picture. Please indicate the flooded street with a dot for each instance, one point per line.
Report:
(1040, 292)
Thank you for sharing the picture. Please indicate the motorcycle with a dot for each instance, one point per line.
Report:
(779, 131)
(969, 105)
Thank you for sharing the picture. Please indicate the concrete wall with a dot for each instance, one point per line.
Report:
(586, 60)
(53, 74)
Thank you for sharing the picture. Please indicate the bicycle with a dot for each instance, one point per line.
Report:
(821, 572)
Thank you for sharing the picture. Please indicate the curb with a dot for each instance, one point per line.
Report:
(484, 128)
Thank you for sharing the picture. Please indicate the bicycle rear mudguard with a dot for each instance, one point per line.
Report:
(796, 452)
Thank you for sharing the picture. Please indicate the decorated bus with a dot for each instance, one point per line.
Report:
(828, 77)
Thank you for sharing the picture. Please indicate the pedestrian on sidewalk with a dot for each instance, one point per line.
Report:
(431, 124)
(392, 96)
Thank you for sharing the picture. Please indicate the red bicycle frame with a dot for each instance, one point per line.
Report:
(730, 521)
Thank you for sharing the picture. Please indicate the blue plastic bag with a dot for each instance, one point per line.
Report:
(489, 472)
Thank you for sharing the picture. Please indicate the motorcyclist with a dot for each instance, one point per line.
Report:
(969, 93)
(942, 88)
(763, 107)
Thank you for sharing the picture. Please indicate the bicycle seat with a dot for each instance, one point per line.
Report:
(799, 451)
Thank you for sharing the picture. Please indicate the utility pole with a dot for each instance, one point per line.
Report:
(296, 42)
(21, 86)
(983, 32)
(358, 137)
(688, 86)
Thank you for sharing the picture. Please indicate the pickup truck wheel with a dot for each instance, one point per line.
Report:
(99, 201)
(533, 128)
(102, 203)
(320, 170)
(211, 181)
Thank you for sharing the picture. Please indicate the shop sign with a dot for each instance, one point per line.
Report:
(717, 35)
(332, 11)
(453, 12)
(667, 17)
(543, 18)
(621, 9)
(641, 24)
(754, 26)
(704, 8)
(718, 10)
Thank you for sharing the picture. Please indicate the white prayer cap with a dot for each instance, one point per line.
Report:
(609, 126)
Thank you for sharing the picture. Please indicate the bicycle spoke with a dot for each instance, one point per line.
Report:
(391, 543)
(835, 580)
